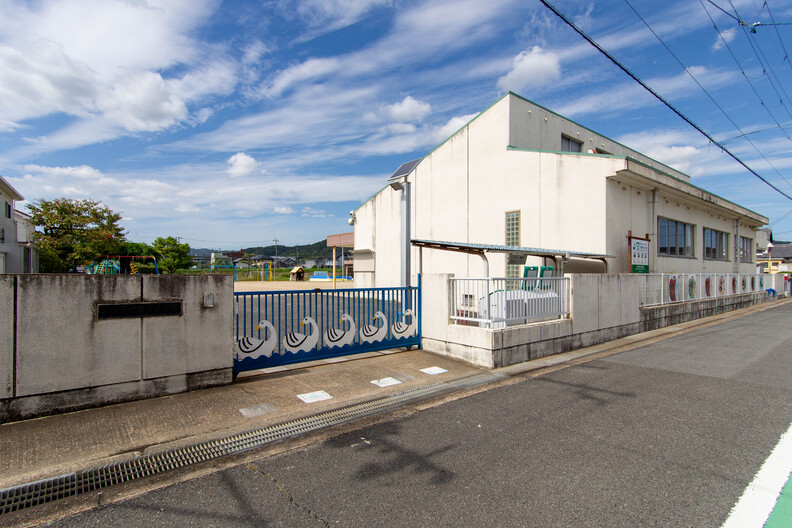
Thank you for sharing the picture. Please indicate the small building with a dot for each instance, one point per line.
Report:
(297, 274)
(519, 175)
(17, 253)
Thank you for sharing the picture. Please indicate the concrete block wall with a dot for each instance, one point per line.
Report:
(6, 336)
(604, 308)
(59, 355)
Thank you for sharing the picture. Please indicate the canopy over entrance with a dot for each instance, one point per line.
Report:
(559, 256)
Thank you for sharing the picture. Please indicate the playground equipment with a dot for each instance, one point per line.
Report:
(118, 264)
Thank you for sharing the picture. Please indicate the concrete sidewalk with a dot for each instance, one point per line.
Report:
(54, 445)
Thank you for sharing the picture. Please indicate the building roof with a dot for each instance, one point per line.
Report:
(476, 249)
(781, 251)
(8, 188)
(341, 240)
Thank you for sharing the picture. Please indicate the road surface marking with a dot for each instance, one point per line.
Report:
(385, 382)
(761, 495)
(311, 397)
(432, 371)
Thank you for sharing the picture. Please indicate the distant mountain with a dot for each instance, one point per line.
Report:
(315, 250)
(201, 252)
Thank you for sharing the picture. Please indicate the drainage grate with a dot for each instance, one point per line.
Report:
(55, 488)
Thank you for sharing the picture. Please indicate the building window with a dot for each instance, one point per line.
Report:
(746, 250)
(674, 239)
(513, 261)
(716, 245)
(8, 210)
(570, 145)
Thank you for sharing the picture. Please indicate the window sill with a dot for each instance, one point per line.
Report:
(678, 256)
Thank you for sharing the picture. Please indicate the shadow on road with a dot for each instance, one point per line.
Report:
(392, 458)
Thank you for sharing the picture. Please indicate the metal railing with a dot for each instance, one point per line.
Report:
(666, 288)
(499, 302)
(280, 327)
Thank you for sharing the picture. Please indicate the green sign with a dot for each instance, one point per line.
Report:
(639, 255)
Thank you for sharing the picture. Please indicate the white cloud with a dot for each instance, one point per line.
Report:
(409, 110)
(530, 69)
(103, 61)
(41, 81)
(283, 210)
(333, 14)
(453, 125)
(253, 52)
(240, 164)
(308, 70)
(725, 37)
(142, 102)
(630, 96)
(186, 208)
(314, 213)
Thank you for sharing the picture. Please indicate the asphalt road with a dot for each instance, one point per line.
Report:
(668, 434)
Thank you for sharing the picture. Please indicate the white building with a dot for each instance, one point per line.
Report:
(521, 175)
(17, 254)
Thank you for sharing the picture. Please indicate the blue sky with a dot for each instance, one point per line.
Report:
(231, 124)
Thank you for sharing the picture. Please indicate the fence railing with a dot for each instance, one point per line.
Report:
(665, 288)
(498, 302)
(275, 328)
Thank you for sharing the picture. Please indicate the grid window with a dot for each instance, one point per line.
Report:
(674, 239)
(570, 145)
(716, 245)
(513, 239)
(746, 250)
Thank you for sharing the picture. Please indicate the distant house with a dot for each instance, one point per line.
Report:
(221, 258)
(776, 259)
(17, 254)
(320, 262)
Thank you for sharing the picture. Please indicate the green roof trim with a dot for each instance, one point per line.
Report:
(589, 129)
(641, 163)
(596, 155)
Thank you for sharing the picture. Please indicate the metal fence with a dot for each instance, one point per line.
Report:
(665, 288)
(498, 302)
(275, 328)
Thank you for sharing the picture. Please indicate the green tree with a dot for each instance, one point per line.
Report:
(74, 232)
(172, 254)
(138, 249)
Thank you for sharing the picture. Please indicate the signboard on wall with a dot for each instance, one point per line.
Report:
(639, 255)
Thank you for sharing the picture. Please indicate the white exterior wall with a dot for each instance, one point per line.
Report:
(584, 202)
(630, 209)
(535, 127)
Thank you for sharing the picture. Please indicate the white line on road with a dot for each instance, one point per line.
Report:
(761, 495)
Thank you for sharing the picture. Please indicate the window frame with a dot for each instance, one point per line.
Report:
(715, 244)
(675, 238)
(571, 141)
(512, 239)
(746, 253)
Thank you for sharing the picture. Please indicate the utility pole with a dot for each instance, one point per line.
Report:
(276, 250)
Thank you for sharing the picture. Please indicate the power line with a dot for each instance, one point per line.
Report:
(669, 105)
(711, 98)
(745, 134)
(760, 56)
(742, 70)
(778, 34)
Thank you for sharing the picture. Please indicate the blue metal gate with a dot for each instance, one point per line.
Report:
(281, 327)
